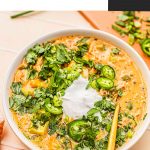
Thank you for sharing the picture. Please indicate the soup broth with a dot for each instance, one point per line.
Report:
(49, 69)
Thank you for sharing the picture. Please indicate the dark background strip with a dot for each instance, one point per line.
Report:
(129, 5)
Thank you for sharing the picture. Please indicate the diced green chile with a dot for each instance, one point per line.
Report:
(77, 129)
(98, 66)
(105, 83)
(108, 72)
(93, 84)
(92, 111)
(146, 46)
(54, 110)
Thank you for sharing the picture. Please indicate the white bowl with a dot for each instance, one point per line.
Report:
(85, 32)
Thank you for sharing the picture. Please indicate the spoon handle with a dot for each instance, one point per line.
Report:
(113, 132)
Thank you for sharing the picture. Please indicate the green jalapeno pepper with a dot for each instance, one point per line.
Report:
(146, 46)
(77, 129)
(105, 83)
(108, 72)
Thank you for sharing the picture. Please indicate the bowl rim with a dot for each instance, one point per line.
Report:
(79, 31)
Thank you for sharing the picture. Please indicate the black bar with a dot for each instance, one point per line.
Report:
(121, 5)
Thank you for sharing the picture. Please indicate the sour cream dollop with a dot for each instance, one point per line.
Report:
(78, 100)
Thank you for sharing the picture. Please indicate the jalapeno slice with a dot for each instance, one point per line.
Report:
(105, 83)
(77, 129)
(108, 72)
(54, 110)
(146, 46)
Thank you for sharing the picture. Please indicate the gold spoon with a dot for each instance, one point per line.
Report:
(113, 132)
